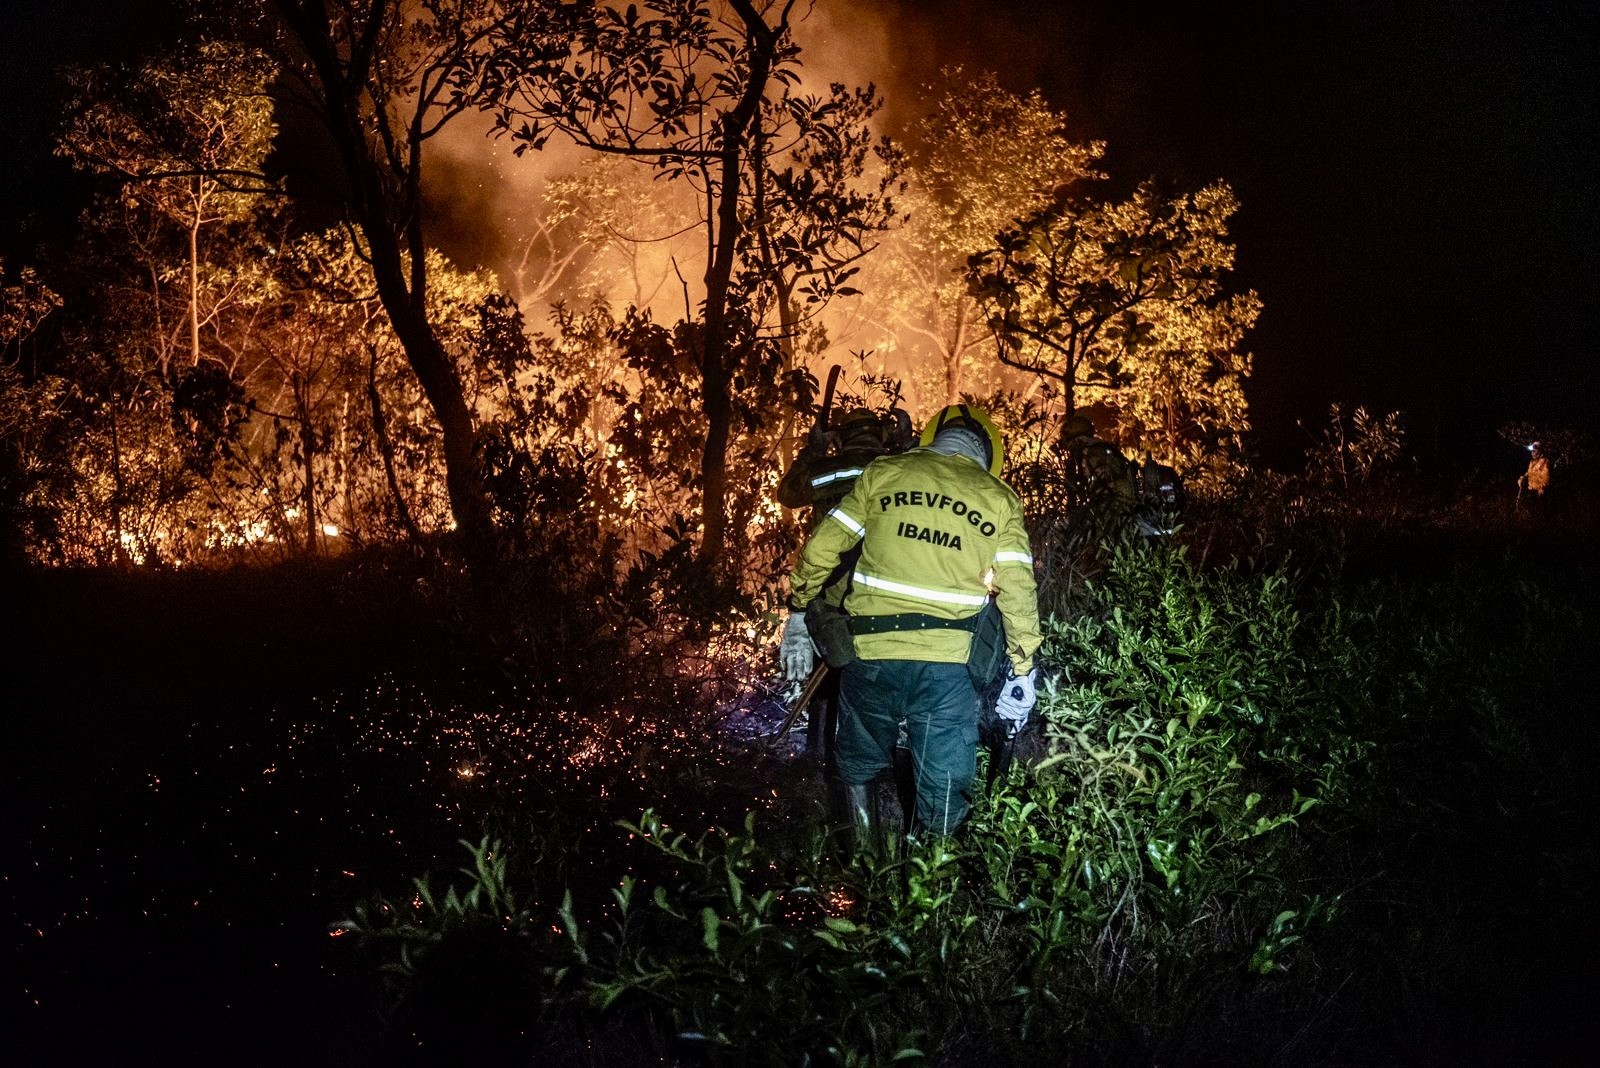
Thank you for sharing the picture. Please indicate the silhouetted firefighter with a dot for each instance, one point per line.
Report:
(836, 452)
(1118, 492)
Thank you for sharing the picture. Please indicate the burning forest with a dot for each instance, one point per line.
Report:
(652, 291)
(410, 461)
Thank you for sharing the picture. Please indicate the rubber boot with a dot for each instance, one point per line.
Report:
(836, 816)
(822, 728)
(862, 805)
(905, 787)
(817, 731)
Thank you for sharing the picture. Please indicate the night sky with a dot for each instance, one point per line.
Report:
(1415, 177)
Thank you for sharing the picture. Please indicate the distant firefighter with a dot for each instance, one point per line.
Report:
(1537, 478)
(1104, 478)
(1533, 482)
(1117, 491)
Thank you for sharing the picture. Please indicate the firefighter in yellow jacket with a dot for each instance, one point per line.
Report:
(939, 536)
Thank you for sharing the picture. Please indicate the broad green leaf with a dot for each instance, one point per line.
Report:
(709, 927)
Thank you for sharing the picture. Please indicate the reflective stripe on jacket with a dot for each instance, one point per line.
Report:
(932, 528)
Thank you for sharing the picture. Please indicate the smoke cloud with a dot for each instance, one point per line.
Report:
(490, 209)
(485, 204)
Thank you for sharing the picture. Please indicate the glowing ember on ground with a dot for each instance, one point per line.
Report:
(838, 901)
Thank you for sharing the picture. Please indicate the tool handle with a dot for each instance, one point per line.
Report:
(827, 398)
(807, 692)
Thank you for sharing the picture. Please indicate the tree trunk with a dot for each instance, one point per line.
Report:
(469, 501)
(1069, 400)
(380, 430)
(787, 436)
(381, 212)
(715, 360)
(714, 457)
(194, 279)
(344, 492)
(952, 357)
(308, 454)
(118, 489)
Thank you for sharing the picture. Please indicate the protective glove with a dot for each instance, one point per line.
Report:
(1016, 701)
(796, 653)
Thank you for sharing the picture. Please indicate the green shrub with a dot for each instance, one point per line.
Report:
(1180, 846)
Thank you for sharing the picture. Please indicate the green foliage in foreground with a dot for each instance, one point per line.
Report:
(1174, 851)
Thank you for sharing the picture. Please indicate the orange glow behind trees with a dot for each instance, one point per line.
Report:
(1123, 303)
(981, 158)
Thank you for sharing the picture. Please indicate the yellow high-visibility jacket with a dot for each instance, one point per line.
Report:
(1537, 478)
(937, 534)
